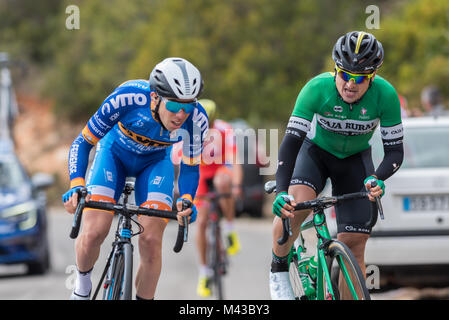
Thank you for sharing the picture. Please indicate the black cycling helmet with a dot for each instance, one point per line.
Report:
(358, 51)
(176, 78)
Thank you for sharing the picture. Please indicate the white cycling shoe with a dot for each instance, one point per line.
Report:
(75, 296)
(280, 287)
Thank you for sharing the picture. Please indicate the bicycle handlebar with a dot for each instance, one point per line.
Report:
(319, 203)
(183, 228)
(131, 210)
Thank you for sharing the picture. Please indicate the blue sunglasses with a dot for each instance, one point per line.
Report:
(175, 107)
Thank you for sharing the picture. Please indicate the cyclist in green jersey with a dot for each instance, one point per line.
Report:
(327, 136)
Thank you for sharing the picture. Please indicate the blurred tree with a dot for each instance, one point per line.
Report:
(27, 29)
(254, 55)
(416, 40)
(92, 60)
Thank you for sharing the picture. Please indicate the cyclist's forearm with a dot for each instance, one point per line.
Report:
(189, 176)
(78, 160)
(391, 161)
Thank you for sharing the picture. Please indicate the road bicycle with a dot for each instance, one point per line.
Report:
(118, 272)
(333, 271)
(217, 258)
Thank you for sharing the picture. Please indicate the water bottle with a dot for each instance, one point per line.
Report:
(307, 283)
(312, 267)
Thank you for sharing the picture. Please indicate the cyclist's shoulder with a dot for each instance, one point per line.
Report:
(139, 86)
(382, 87)
(315, 91)
(322, 79)
(135, 93)
(320, 85)
(136, 84)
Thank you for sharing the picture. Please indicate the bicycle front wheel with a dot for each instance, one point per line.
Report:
(127, 284)
(348, 282)
(295, 279)
(118, 285)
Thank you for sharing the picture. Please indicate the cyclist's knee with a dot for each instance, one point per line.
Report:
(201, 220)
(302, 193)
(356, 242)
(96, 227)
(150, 246)
(222, 182)
(93, 237)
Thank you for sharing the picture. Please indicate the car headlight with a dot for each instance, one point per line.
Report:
(24, 214)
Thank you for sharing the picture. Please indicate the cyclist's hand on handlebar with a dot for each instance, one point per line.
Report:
(281, 206)
(377, 191)
(70, 199)
(191, 212)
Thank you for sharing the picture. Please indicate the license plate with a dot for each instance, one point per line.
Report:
(427, 203)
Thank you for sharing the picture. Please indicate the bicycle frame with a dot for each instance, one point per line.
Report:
(217, 251)
(323, 278)
(122, 246)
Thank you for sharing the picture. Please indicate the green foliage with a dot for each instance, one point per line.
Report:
(255, 55)
(416, 41)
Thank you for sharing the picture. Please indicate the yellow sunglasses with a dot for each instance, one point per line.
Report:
(357, 78)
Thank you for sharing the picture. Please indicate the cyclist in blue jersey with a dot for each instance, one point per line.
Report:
(134, 130)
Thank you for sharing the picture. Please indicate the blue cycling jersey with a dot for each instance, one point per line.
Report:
(127, 118)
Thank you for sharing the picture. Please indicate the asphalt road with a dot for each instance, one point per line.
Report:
(247, 278)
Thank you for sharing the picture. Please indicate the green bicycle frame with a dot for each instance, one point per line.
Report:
(323, 280)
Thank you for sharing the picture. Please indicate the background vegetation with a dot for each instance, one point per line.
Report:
(255, 55)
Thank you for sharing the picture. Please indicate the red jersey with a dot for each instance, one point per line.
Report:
(219, 148)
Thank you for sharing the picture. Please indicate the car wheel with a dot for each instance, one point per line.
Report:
(40, 266)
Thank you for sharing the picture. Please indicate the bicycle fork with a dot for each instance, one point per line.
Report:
(123, 236)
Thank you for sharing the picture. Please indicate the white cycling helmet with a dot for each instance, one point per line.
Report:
(176, 78)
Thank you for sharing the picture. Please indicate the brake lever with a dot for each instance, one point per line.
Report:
(286, 228)
(185, 219)
(378, 203)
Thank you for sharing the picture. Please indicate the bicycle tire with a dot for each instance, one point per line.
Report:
(337, 254)
(214, 261)
(295, 279)
(220, 264)
(127, 283)
(114, 278)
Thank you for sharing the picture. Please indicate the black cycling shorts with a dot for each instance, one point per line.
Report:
(314, 165)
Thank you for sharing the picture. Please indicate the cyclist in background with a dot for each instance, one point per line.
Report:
(327, 136)
(134, 131)
(224, 178)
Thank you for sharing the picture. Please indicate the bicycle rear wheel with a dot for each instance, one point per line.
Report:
(214, 258)
(348, 282)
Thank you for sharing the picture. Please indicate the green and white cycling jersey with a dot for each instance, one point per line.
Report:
(341, 128)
